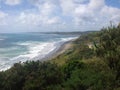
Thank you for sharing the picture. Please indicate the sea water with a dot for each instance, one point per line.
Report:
(23, 47)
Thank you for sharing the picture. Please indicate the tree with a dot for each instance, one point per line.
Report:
(108, 49)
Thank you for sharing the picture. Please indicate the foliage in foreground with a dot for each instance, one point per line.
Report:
(82, 68)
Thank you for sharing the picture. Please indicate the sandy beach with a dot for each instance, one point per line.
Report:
(63, 47)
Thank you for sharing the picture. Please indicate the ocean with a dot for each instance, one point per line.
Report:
(15, 48)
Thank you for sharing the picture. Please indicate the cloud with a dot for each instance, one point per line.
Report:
(71, 14)
(12, 2)
(37, 20)
(3, 18)
(68, 7)
(90, 13)
(96, 4)
(44, 16)
(47, 8)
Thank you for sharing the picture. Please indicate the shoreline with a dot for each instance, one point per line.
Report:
(63, 46)
(59, 50)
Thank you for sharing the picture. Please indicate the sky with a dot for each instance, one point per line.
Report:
(57, 15)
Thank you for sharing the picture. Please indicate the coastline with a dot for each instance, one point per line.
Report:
(59, 50)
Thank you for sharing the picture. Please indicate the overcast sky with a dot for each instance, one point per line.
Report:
(57, 15)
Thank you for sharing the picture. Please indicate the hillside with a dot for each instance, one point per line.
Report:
(92, 63)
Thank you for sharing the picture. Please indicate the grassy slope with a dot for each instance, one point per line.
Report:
(78, 50)
(96, 71)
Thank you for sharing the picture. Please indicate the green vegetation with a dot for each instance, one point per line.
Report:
(92, 63)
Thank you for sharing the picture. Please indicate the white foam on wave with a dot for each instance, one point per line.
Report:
(4, 63)
(38, 50)
(35, 51)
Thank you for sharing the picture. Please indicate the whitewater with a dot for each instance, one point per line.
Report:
(15, 48)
